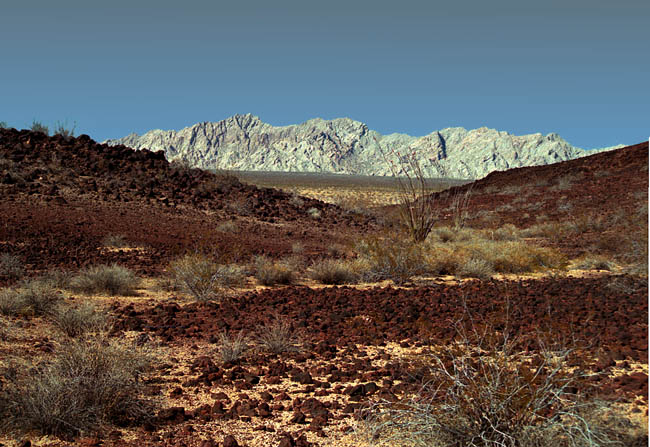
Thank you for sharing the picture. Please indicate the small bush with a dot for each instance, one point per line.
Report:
(507, 232)
(79, 320)
(195, 274)
(476, 268)
(32, 298)
(58, 278)
(314, 213)
(231, 349)
(394, 258)
(331, 271)
(114, 241)
(593, 262)
(228, 226)
(269, 272)
(64, 129)
(205, 279)
(87, 385)
(11, 267)
(482, 391)
(278, 337)
(37, 126)
(108, 279)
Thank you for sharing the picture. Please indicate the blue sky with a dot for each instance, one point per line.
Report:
(579, 68)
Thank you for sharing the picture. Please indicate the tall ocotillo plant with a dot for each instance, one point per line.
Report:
(417, 205)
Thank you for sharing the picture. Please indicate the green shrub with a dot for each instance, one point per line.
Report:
(109, 279)
(269, 272)
(85, 386)
(11, 267)
(333, 271)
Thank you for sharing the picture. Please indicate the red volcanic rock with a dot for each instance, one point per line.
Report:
(230, 441)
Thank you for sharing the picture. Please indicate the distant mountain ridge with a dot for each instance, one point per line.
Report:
(342, 145)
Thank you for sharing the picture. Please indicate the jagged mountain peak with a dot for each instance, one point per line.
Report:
(344, 145)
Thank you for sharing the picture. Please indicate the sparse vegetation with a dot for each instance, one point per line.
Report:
(204, 278)
(278, 337)
(11, 267)
(114, 241)
(475, 268)
(231, 348)
(393, 257)
(87, 385)
(64, 129)
(109, 279)
(593, 262)
(269, 272)
(33, 298)
(482, 391)
(314, 213)
(227, 226)
(37, 126)
(333, 271)
(76, 321)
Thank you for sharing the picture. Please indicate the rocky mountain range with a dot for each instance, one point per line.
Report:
(244, 142)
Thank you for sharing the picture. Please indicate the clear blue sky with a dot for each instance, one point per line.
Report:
(579, 68)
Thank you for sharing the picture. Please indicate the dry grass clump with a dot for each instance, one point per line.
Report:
(114, 241)
(227, 226)
(33, 298)
(593, 262)
(231, 348)
(394, 258)
(11, 267)
(278, 337)
(79, 320)
(507, 232)
(269, 272)
(452, 234)
(333, 271)
(481, 253)
(475, 268)
(87, 385)
(482, 391)
(205, 279)
(314, 213)
(109, 279)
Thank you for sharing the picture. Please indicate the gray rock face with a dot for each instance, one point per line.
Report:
(244, 142)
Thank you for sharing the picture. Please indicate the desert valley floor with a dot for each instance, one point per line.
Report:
(574, 275)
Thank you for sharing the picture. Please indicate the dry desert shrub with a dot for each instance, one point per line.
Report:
(593, 262)
(481, 391)
(32, 298)
(85, 386)
(475, 268)
(231, 348)
(11, 267)
(452, 234)
(227, 226)
(114, 241)
(205, 279)
(108, 279)
(506, 232)
(333, 271)
(76, 321)
(278, 336)
(314, 213)
(393, 257)
(269, 272)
